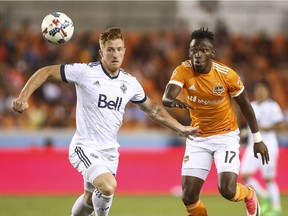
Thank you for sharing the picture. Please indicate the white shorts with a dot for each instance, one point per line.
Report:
(200, 153)
(250, 164)
(82, 158)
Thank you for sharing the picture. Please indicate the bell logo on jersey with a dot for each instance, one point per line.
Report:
(110, 104)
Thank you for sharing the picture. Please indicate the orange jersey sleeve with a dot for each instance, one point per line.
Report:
(211, 95)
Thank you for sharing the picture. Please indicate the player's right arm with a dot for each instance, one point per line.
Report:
(169, 98)
(159, 114)
(39, 77)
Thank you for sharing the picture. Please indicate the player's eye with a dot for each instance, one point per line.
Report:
(110, 50)
(193, 51)
(120, 49)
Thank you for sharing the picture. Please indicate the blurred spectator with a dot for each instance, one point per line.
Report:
(153, 54)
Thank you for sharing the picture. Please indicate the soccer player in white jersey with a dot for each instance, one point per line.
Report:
(103, 90)
(270, 118)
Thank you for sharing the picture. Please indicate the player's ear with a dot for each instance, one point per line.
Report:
(213, 53)
(100, 52)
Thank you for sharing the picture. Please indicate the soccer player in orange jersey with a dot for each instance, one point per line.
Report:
(209, 87)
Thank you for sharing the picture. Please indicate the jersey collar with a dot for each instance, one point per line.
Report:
(114, 77)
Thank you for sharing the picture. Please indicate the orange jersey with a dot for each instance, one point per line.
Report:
(211, 95)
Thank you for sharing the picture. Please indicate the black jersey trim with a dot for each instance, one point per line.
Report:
(114, 77)
(93, 64)
(141, 101)
(62, 72)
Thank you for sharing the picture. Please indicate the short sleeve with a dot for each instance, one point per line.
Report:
(235, 84)
(139, 94)
(73, 73)
(177, 77)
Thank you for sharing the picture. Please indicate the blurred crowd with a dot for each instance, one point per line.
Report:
(150, 56)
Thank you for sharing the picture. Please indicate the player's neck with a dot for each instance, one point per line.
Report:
(204, 70)
(111, 73)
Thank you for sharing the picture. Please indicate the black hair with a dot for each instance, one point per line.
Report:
(265, 83)
(203, 34)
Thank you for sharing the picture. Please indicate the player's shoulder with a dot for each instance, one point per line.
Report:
(185, 65)
(83, 65)
(183, 68)
(127, 77)
(222, 68)
(126, 74)
(93, 64)
(270, 102)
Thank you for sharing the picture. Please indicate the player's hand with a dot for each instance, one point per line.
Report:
(179, 104)
(191, 132)
(19, 105)
(261, 148)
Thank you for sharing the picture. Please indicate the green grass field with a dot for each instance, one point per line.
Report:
(122, 206)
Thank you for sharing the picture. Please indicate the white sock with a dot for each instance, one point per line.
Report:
(80, 208)
(260, 190)
(101, 203)
(274, 195)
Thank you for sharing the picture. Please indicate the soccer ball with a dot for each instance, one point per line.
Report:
(57, 28)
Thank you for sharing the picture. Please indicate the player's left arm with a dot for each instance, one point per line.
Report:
(259, 147)
(159, 114)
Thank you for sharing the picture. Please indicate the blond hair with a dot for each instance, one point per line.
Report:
(112, 33)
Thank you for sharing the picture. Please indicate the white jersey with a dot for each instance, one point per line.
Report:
(268, 113)
(101, 100)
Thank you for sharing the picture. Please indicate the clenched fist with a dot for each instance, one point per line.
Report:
(19, 105)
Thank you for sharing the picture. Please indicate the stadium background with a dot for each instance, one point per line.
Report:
(251, 37)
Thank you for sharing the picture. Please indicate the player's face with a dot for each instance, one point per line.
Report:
(201, 53)
(112, 55)
(261, 92)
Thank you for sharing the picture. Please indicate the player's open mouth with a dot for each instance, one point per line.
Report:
(197, 63)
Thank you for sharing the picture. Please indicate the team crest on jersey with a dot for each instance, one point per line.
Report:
(219, 89)
(123, 88)
(186, 158)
